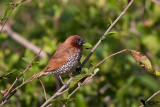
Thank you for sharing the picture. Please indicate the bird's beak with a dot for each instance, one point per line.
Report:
(81, 42)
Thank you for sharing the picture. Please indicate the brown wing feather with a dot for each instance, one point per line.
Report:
(59, 59)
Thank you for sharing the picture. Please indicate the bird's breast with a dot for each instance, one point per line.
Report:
(71, 64)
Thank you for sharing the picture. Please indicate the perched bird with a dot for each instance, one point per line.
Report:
(65, 59)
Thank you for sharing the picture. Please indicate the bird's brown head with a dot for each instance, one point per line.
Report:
(75, 41)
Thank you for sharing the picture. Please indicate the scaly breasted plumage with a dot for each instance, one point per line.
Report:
(66, 58)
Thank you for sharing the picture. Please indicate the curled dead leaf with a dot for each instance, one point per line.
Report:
(142, 60)
(3, 92)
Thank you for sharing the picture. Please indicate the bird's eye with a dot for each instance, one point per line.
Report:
(76, 41)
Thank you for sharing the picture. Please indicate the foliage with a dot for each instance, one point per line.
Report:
(120, 81)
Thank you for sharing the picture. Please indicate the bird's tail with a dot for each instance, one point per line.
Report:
(35, 76)
(30, 79)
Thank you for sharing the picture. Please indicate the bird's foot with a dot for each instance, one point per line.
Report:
(70, 75)
(66, 85)
(78, 70)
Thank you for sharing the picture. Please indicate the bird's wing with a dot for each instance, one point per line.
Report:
(59, 59)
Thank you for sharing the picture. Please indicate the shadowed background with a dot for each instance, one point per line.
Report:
(120, 81)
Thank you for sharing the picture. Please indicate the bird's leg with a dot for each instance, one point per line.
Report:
(78, 70)
(61, 79)
(63, 82)
(70, 75)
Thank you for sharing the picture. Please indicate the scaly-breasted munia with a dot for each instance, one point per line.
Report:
(66, 58)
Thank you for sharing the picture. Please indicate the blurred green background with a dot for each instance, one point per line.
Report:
(120, 81)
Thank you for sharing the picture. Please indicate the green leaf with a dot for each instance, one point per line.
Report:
(77, 78)
(143, 61)
(85, 70)
(3, 36)
(27, 60)
(80, 101)
(149, 82)
(35, 62)
(6, 13)
(157, 73)
(103, 37)
(8, 75)
(87, 45)
(110, 20)
(79, 84)
(96, 70)
(111, 33)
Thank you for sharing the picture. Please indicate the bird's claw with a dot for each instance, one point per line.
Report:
(78, 70)
(66, 85)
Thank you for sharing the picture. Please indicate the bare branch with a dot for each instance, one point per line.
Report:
(87, 58)
(6, 19)
(23, 41)
(153, 95)
(3, 99)
(4, 22)
(10, 95)
(43, 88)
(108, 58)
(88, 78)
(107, 31)
(59, 92)
(156, 2)
(150, 97)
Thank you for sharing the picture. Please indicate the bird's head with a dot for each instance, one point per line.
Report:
(75, 41)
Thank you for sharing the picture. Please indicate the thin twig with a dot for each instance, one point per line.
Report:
(12, 8)
(89, 55)
(150, 97)
(88, 78)
(156, 2)
(58, 86)
(21, 40)
(43, 88)
(17, 78)
(108, 58)
(23, 83)
(59, 92)
(63, 92)
(74, 91)
(5, 101)
(23, 78)
(107, 31)
(49, 105)
(153, 95)
(5, 21)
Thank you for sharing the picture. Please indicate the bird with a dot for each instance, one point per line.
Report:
(65, 59)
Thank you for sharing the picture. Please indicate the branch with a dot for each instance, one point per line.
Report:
(150, 97)
(109, 57)
(4, 21)
(59, 92)
(156, 2)
(89, 55)
(43, 88)
(88, 78)
(10, 91)
(23, 41)
(16, 36)
(107, 31)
